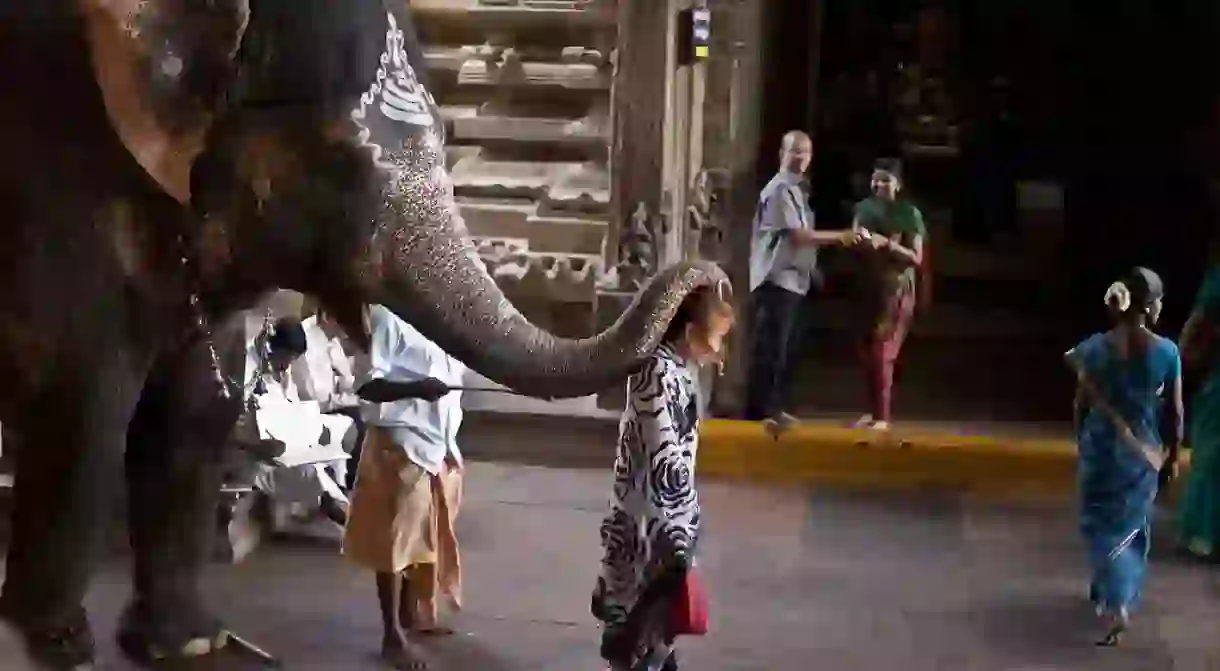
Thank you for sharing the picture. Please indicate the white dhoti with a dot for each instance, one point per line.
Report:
(342, 432)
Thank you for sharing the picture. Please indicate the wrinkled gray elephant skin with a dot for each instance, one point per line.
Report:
(158, 149)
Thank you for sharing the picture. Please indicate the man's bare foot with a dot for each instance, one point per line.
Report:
(402, 655)
(865, 422)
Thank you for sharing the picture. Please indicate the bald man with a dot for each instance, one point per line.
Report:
(783, 265)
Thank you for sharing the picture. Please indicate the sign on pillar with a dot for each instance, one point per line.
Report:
(694, 34)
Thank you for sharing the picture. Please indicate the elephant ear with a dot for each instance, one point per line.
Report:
(164, 68)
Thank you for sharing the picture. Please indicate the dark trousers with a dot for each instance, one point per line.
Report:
(777, 323)
(352, 464)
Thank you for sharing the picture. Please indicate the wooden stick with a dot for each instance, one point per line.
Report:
(254, 651)
(492, 390)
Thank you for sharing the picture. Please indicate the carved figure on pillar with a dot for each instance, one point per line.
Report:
(705, 235)
(637, 250)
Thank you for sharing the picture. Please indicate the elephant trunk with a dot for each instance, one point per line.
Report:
(430, 276)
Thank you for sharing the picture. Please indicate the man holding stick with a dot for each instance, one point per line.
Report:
(409, 485)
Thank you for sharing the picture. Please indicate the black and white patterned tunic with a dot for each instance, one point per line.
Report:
(654, 512)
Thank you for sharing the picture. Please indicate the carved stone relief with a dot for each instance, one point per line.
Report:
(637, 250)
(529, 161)
(704, 215)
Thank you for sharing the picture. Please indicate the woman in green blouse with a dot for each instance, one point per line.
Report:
(891, 255)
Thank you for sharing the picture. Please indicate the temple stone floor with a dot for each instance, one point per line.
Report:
(800, 580)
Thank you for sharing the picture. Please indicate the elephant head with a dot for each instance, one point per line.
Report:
(301, 134)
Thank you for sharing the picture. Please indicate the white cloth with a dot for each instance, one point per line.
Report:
(427, 432)
(281, 414)
(323, 373)
(299, 486)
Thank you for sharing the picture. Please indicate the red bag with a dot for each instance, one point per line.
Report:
(689, 614)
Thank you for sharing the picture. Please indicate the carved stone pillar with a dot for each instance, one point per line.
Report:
(685, 94)
(638, 111)
(731, 144)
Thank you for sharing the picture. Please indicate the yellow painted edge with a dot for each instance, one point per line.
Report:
(822, 453)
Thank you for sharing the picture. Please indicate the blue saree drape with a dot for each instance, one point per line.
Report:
(1117, 484)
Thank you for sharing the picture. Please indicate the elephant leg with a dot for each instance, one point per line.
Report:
(175, 450)
(68, 462)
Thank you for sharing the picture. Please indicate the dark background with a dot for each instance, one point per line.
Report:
(1116, 101)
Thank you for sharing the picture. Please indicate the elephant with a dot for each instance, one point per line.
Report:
(165, 164)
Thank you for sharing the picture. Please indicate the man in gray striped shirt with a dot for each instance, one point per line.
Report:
(783, 267)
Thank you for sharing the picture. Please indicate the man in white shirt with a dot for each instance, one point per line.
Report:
(409, 486)
(324, 374)
(277, 416)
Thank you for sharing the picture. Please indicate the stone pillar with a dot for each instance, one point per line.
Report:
(638, 110)
(683, 139)
(657, 151)
(731, 146)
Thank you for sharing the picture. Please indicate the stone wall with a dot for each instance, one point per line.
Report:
(524, 87)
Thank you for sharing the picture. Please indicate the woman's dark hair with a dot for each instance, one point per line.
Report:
(1134, 294)
(287, 336)
(693, 310)
(1131, 299)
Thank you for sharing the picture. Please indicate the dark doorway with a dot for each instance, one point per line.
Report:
(1050, 145)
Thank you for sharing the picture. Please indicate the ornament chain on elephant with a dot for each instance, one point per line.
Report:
(287, 144)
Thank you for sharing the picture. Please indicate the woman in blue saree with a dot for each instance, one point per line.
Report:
(1122, 375)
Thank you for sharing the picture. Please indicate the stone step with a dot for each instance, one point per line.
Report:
(571, 187)
(517, 12)
(451, 57)
(561, 279)
(582, 76)
(476, 127)
(545, 232)
(445, 58)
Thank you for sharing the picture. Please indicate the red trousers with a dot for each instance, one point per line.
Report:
(879, 352)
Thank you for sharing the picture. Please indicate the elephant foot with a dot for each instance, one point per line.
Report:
(63, 646)
(151, 636)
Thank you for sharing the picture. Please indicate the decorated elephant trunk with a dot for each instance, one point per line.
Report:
(429, 275)
(455, 303)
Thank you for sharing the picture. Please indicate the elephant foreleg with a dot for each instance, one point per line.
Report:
(174, 461)
(69, 458)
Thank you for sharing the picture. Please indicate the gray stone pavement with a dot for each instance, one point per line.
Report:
(800, 579)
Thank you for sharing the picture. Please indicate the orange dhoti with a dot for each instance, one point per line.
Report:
(402, 519)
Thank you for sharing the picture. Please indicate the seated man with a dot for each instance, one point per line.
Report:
(281, 430)
(324, 374)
